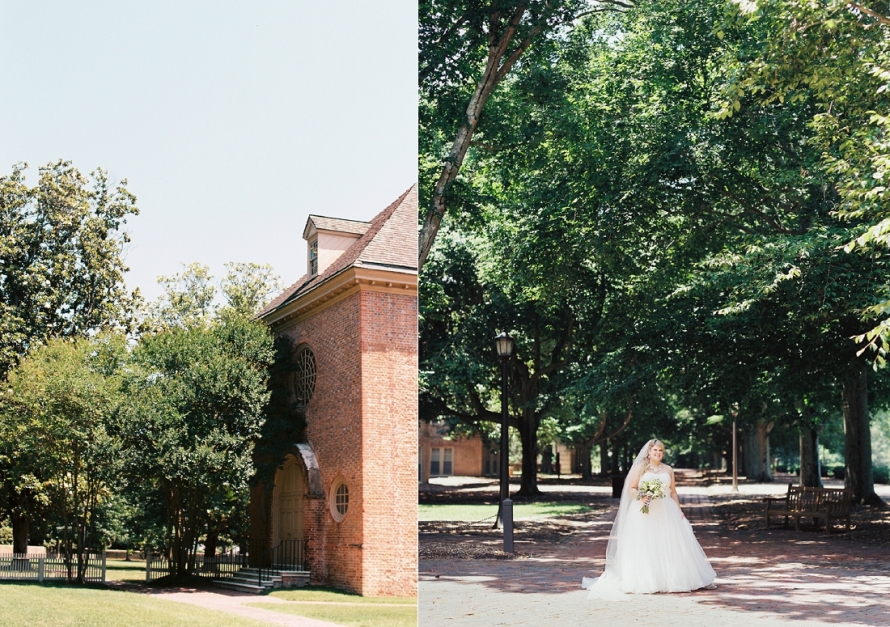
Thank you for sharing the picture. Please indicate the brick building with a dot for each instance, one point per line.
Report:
(347, 485)
(442, 454)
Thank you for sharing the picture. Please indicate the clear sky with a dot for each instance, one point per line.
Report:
(231, 121)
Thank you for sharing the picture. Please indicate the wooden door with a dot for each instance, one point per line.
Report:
(288, 504)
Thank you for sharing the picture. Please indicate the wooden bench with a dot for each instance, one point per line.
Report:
(802, 502)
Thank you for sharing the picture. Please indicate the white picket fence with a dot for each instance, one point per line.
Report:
(51, 567)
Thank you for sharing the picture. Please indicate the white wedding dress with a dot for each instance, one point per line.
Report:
(654, 552)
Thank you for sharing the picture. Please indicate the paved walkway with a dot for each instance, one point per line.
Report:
(233, 602)
(767, 578)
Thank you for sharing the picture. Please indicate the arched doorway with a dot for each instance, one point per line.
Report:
(287, 502)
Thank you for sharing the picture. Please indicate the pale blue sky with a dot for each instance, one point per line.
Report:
(232, 121)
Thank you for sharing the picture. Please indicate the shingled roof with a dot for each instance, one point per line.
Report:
(324, 223)
(390, 241)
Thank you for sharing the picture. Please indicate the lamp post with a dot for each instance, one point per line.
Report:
(504, 345)
(735, 454)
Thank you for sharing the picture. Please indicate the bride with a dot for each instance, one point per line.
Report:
(655, 551)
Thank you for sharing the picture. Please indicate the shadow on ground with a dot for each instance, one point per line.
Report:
(806, 576)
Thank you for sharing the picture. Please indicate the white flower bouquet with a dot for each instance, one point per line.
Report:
(653, 488)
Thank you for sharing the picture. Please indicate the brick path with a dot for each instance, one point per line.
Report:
(765, 578)
(232, 602)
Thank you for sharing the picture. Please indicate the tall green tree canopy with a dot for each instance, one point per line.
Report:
(197, 408)
(60, 445)
(714, 237)
(61, 271)
(833, 54)
(190, 296)
(199, 405)
(467, 48)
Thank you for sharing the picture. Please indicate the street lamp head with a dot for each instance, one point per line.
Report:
(504, 344)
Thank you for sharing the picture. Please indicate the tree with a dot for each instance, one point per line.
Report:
(835, 54)
(574, 194)
(59, 439)
(467, 48)
(543, 231)
(190, 297)
(490, 281)
(187, 301)
(248, 287)
(786, 310)
(612, 400)
(744, 185)
(61, 272)
(193, 419)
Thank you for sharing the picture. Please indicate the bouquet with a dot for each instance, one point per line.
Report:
(653, 488)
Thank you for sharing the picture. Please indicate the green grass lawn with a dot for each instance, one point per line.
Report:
(365, 615)
(29, 605)
(473, 512)
(316, 594)
(122, 570)
(320, 604)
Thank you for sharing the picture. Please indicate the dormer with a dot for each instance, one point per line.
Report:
(327, 238)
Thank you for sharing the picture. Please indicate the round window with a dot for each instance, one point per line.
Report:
(303, 378)
(340, 502)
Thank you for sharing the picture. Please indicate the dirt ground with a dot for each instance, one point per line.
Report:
(869, 525)
(769, 577)
(456, 540)
(741, 512)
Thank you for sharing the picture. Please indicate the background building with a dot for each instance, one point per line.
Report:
(441, 454)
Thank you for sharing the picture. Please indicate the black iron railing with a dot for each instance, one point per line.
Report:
(222, 565)
(288, 555)
(226, 564)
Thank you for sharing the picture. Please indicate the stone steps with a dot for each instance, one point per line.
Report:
(247, 580)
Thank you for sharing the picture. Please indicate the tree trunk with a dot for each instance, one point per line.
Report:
(210, 544)
(528, 436)
(583, 453)
(758, 456)
(21, 527)
(810, 472)
(547, 460)
(809, 458)
(497, 66)
(604, 458)
(857, 439)
(615, 457)
(81, 541)
(177, 556)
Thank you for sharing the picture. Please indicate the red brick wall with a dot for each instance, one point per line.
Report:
(389, 406)
(362, 427)
(334, 430)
